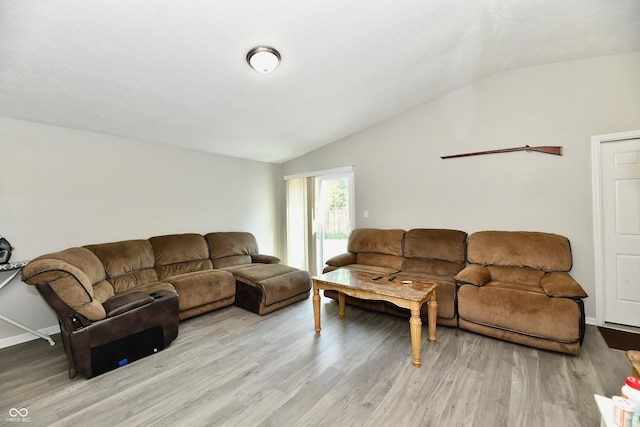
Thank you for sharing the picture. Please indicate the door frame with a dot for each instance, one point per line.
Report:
(598, 241)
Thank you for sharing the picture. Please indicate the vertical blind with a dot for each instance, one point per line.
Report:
(297, 223)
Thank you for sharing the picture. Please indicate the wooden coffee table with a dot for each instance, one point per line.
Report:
(359, 284)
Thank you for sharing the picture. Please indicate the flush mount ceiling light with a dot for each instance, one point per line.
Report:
(263, 59)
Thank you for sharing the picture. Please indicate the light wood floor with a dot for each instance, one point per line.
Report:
(234, 368)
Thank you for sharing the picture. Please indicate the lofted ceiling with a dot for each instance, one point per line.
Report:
(174, 72)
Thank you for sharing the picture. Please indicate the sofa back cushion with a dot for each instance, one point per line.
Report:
(435, 243)
(379, 247)
(127, 264)
(77, 276)
(179, 254)
(434, 251)
(529, 249)
(229, 248)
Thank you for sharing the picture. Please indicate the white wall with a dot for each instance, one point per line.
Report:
(402, 182)
(61, 188)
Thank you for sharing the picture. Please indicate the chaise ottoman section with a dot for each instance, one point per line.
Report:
(265, 288)
(203, 291)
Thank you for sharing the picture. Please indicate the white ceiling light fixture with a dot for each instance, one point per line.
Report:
(263, 59)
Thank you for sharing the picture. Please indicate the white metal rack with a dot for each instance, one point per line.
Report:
(17, 267)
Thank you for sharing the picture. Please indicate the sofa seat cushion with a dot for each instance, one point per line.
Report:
(152, 287)
(511, 286)
(437, 267)
(178, 269)
(523, 309)
(515, 275)
(203, 287)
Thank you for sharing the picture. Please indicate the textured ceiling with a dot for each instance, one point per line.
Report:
(174, 72)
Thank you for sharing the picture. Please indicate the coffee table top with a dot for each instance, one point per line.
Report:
(417, 290)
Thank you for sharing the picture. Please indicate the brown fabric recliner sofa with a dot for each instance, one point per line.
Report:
(517, 288)
(424, 253)
(511, 285)
(107, 292)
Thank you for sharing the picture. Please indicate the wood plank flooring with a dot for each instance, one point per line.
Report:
(235, 368)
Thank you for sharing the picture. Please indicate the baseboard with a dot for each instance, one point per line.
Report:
(19, 339)
(619, 327)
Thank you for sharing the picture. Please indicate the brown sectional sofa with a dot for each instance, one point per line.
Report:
(107, 292)
(510, 285)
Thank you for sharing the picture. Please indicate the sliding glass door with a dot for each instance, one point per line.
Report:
(320, 216)
(334, 216)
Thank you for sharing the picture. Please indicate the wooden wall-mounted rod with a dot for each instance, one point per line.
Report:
(548, 149)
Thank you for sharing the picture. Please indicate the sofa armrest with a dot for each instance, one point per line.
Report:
(265, 259)
(342, 259)
(123, 303)
(474, 274)
(561, 284)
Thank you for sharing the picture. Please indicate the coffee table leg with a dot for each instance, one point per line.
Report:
(415, 324)
(432, 314)
(316, 307)
(341, 300)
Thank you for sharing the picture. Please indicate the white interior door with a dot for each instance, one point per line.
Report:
(620, 192)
